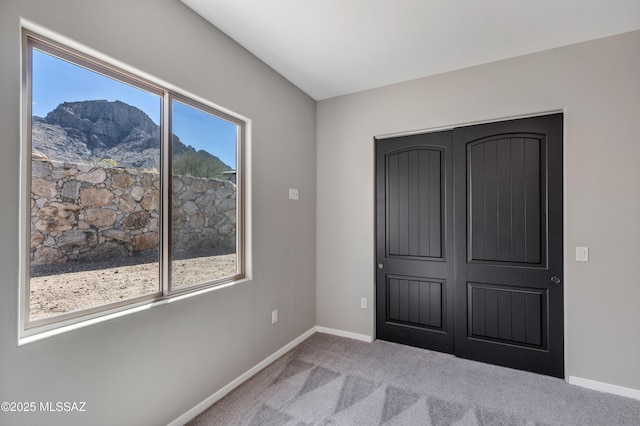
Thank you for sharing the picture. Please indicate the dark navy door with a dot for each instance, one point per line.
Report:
(415, 290)
(469, 242)
(509, 260)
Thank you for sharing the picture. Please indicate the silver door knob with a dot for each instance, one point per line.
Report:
(555, 280)
(380, 266)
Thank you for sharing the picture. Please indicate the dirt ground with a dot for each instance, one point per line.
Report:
(70, 288)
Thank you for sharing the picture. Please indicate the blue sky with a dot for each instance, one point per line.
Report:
(56, 81)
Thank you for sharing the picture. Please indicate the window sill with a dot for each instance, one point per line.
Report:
(39, 333)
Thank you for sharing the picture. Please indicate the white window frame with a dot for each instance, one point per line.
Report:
(94, 61)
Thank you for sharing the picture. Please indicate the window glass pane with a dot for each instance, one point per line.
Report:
(95, 189)
(204, 194)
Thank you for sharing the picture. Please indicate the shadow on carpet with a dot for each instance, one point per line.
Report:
(329, 380)
(305, 394)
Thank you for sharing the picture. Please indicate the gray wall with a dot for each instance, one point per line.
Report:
(597, 85)
(152, 366)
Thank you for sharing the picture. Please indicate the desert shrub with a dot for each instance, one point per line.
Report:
(193, 164)
(107, 163)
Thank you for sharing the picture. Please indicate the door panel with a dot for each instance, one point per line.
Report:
(490, 296)
(415, 301)
(415, 284)
(509, 243)
(414, 189)
(505, 199)
(516, 316)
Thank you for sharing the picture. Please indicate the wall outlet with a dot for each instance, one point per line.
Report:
(294, 194)
(363, 302)
(582, 254)
(274, 316)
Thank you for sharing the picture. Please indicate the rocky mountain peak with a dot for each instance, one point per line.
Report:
(90, 131)
(104, 124)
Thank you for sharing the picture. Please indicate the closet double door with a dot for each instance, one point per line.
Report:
(469, 242)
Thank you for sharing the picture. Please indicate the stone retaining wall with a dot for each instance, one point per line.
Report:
(86, 212)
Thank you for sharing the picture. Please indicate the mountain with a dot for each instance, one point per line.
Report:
(88, 131)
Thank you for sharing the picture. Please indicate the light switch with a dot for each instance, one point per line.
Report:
(294, 194)
(582, 254)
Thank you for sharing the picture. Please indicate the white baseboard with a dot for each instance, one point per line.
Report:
(605, 387)
(243, 378)
(251, 372)
(341, 333)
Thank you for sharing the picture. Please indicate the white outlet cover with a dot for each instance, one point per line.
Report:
(294, 194)
(582, 254)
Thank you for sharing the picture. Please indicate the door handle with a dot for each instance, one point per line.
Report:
(555, 280)
(380, 266)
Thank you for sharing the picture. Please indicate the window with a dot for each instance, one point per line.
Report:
(134, 191)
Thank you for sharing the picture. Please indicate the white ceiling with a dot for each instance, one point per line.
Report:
(334, 47)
